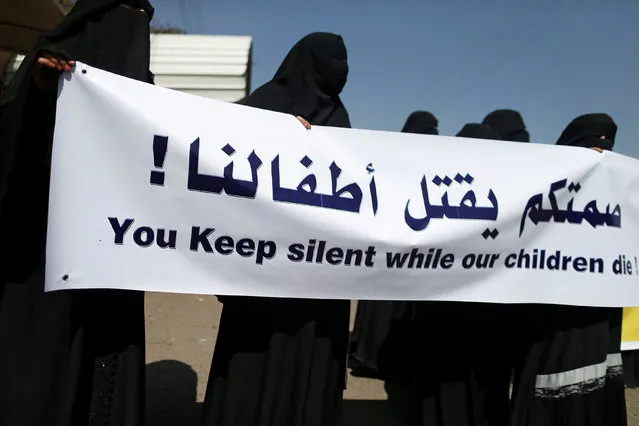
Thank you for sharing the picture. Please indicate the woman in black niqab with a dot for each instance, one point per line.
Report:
(483, 375)
(309, 81)
(499, 349)
(590, 131)
(282, 362)
(375, 318)
(571, 372)
(421, 122)
(509, 125)
(67, 357)
(430, 376)
(477, 131)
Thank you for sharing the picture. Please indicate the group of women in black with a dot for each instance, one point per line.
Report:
(77, 357)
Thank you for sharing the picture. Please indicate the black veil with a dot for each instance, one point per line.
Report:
(590, 130)
(509, 125)
(308, 82)
(422, 122)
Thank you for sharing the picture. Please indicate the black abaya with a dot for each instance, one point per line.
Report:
(439, 371)
(498, 354)
(282, 362)
(456, 385)
(67, 358)
(374, 318)
(571, 373)
(436, 371)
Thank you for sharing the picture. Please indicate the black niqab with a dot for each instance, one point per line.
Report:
(477, 131)
(587, 130)
(98, 33)
(308, 82)
(508, 124)
(422, 122)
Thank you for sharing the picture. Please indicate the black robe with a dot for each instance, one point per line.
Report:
(457, 378)
(571, 371)
(436, 372)
(282, 362)
(69, 357)
(375, 318)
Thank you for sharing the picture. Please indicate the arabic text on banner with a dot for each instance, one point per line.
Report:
(157, 190)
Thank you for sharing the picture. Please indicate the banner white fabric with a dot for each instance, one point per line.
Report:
(153, 189)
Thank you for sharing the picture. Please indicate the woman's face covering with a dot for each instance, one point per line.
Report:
(332, 63)
(120, 42)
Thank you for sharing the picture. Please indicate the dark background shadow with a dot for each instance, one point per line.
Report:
(171, 394)
(358, 412)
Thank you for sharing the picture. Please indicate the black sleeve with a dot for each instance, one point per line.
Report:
(24, 211)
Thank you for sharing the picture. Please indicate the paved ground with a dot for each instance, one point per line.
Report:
(181, 332)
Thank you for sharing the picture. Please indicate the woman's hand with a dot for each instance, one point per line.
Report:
(48, 68)
(597, 149)
(304, 122)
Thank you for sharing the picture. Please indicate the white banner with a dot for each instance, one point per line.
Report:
(157, 190)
